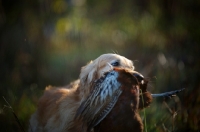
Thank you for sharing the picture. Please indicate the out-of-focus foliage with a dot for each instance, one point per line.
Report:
(46, 42)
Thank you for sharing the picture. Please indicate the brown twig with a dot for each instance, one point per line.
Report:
(173, 114)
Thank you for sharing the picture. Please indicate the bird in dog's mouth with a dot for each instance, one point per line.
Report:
(121, 87)
(117, 91)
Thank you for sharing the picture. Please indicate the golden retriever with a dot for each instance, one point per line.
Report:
(57, 107)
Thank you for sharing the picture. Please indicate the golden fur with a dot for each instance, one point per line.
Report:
(57, 107)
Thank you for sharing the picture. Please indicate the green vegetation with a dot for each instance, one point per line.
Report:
(46, 42)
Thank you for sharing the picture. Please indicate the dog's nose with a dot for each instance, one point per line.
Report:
(139, 76)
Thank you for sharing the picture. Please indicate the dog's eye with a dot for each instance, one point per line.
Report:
(115, 63)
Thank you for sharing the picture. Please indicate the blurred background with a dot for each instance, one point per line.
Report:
(46, 42)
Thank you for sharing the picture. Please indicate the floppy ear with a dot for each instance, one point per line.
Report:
(88, 73)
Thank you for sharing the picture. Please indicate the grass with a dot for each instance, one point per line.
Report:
(145, 123)
(15, 116)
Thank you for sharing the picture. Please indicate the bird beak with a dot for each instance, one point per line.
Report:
(139, 77)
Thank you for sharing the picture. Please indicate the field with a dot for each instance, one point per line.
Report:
(47, 42)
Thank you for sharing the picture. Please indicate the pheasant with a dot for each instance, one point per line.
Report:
(114, 102)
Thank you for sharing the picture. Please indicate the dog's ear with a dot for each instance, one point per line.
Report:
(88, 73)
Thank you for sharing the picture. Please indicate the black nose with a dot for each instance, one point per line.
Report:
(139, 76)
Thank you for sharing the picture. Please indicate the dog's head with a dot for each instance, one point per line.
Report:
(95, 69)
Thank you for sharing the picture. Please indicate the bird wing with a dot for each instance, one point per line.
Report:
(102, 99)
(104, 109)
